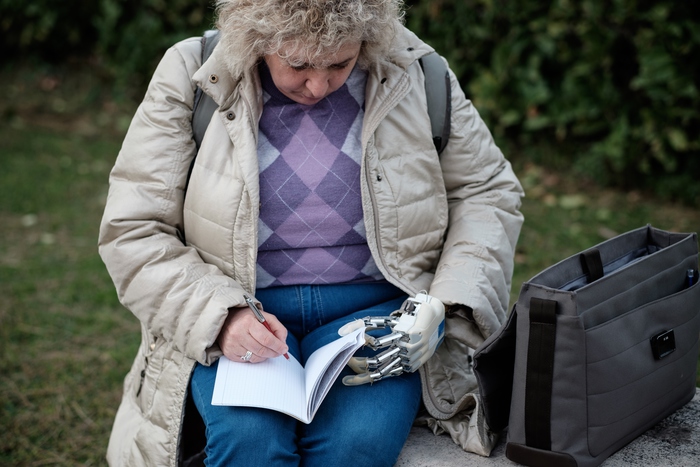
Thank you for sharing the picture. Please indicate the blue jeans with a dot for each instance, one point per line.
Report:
(361, 425)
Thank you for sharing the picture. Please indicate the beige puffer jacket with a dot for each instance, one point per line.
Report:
(448, 225)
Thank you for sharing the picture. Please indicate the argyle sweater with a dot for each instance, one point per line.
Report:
(311, 228)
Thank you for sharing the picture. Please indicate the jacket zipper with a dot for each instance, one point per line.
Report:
(143, 377)
(252, 269)
(149, 350)
(373, 200)
(368, 177)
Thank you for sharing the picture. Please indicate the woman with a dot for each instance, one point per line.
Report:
(316, 189)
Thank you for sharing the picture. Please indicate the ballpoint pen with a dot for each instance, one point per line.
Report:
(259, 316)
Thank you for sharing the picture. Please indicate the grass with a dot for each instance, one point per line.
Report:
(65, 340)
(66, 343)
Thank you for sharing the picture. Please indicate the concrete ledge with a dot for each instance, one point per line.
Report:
(675, 441)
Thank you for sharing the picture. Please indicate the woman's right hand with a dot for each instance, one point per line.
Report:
(242, 332)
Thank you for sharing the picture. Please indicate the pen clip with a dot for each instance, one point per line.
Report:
(253, 306)
(258, 314)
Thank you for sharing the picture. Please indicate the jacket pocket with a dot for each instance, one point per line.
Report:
(151, 367)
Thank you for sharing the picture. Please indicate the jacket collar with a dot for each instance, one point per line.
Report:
(225, 89)
(407, 48)
(388, 80)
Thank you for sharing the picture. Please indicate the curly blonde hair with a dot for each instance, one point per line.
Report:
(305, 31)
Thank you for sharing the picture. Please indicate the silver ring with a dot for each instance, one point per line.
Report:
(247, 356)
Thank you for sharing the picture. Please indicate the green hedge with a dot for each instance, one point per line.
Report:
(612, 85)
(608, 87)
(125, 38)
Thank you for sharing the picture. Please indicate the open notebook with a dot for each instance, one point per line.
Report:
(284, 385)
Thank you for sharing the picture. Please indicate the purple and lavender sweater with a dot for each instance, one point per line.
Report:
(311, 229)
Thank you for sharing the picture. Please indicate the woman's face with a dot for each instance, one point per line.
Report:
(306, 84)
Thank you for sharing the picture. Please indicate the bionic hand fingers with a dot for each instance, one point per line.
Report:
(417, 330)
(370, 370)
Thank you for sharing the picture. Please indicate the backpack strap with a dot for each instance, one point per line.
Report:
(204, 105)
(438, 93)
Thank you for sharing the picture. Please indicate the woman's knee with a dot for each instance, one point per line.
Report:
(250, 436)
(354, 421)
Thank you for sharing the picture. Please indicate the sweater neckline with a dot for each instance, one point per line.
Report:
(268, 85)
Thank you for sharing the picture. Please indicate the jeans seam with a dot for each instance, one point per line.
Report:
(302, 309)
(316, 292)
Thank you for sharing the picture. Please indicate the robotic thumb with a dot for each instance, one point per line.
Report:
(357, 380)
(358, 364)
(350, 327)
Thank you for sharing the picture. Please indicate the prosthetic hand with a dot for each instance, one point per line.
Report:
(417, 330)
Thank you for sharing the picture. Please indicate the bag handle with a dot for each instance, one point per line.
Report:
(540, 373)
(592, 264)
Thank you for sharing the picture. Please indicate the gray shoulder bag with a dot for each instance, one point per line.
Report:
(598, 349)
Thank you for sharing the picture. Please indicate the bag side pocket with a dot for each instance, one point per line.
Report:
(628, 389)
(494, 362)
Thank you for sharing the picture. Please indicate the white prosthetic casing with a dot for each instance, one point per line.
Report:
(417, 329)
(422, 324)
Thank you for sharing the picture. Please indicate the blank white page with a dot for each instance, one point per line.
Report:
(276, 384)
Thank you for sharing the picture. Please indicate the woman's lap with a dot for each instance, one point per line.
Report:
(361, 425)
